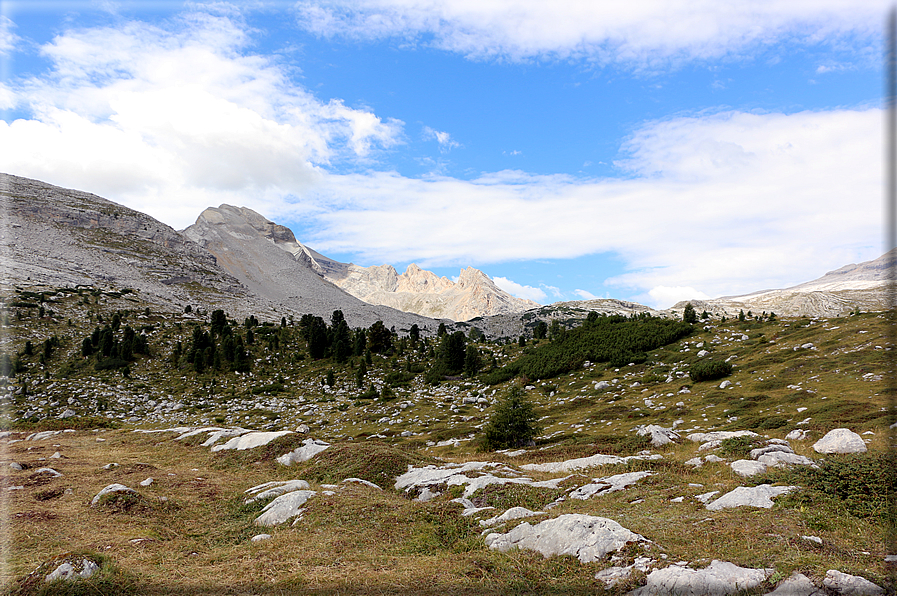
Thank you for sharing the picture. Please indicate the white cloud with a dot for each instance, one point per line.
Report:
(728, 202)
(520, 291)
(171, 120)
(649, 33)
(446, 143)
(665, 296)
(585, 295)
(7, 37)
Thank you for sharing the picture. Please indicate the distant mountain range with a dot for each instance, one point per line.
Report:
(236, 259)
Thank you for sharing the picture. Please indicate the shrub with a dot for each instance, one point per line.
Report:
(513, 423)
(707, 370)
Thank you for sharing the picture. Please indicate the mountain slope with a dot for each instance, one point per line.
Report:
(268, 260)
(838, 292)
(415, 291)
(57, 237)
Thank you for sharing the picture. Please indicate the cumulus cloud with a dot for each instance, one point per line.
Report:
(712, 202)
(143, 113)
(650, 33)
(520, 291)
(585, 295)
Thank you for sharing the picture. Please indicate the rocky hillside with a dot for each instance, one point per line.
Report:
(268, 260)
(650, 478)
(56, 237)
(836, 293)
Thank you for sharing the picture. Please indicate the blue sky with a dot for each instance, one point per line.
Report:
(651, 151)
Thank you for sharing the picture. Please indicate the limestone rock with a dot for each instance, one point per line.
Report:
(71, 570)
(586, 537)
(754, 496)
(579, 463)
(659, 435)
(797, 435)
(260, 538)
(746, 467)
(112, 488)
(797, 584)
(719, 435)
(283, 508)
(840, 440)
(720, 577)
(269, 490)
(850, 585)
(608, 484)
(309, 449)
(510, 514)
(251, 440)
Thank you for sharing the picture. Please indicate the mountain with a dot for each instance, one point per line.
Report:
(53, 237)
(836, 293)
(266, 258)
(421, 291)
(56, 237)
(415, 291)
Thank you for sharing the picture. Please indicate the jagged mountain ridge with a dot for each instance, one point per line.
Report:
(414, 291)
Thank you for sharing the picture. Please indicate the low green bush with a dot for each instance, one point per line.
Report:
(708, 370)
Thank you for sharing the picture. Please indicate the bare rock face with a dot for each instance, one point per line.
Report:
(244, 243)
(57, 237)
(423, 292)
(267, 259)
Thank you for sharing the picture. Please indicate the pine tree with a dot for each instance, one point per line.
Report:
(514, 423)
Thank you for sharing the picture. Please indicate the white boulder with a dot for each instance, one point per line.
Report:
(797, 435)
(747, 467)
(308, 450)
(840, 440)
(720, 577)
(283, 508)
(112, 488)
(797, 584)
(608, 484)
(579, 463)
(586, 537)
(850, 585)
(70, 571)
(750, 496)
(269, 490)
(659, 435)
(251, 440)
(512, 513)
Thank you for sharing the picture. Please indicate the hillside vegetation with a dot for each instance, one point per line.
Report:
(102, 364)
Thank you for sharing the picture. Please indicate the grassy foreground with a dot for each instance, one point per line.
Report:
(188, 532)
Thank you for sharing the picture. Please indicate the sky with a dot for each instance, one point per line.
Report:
(651, 150)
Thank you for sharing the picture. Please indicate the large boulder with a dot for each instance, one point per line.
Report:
(309, 449)
(284, 507)
(251, 440)
(840, 440)
(719, 578)
(750, 496)
(586, 537)
(850, 585)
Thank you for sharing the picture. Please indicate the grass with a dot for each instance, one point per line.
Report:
(188, 532)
